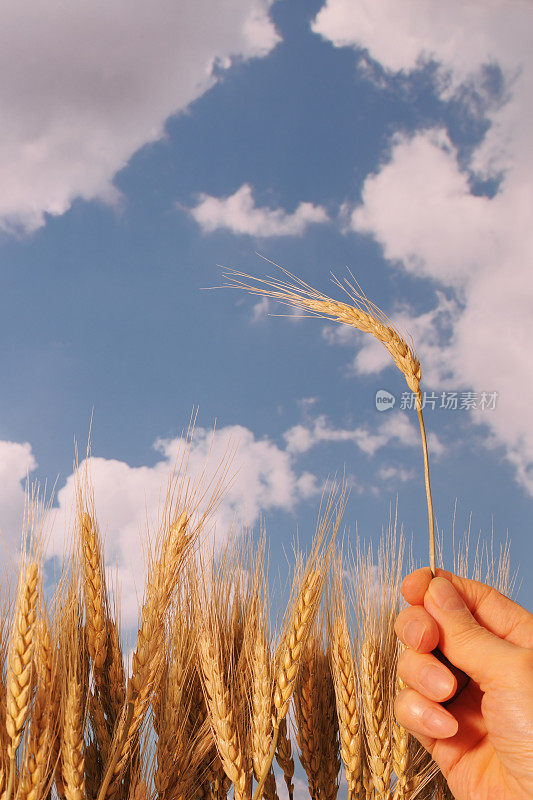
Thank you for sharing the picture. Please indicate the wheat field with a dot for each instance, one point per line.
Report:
(216, 694)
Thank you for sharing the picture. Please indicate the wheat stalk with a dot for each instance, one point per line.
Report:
(362, 315)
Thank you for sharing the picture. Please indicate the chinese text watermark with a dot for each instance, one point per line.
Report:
(445, 401)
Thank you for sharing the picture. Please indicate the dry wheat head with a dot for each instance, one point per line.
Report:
(376, 716)
(94, 591)
(20, 662)
(346, 692)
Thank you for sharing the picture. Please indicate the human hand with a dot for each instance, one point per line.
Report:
(483, 740)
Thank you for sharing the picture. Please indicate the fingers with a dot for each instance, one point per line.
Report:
(468, 645)
(494, 611)
(423, 717)
(428, 676)
(417, 629)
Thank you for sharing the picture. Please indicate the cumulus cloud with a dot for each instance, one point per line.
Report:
(239, 213)
(262, 477)
(395, 428)
(83, 86)
(16, 463)
(420, 204)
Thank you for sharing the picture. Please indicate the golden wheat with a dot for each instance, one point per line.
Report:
(94, 590)
(362, 315)
(346, 692)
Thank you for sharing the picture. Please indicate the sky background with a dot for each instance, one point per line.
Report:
(139, 151)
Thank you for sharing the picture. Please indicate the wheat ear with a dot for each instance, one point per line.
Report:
(400, 755)
(363, 315)
(94, 592)
(345, 682)
(376, 718)
(221, 711)
(261, 719)
(330, 761)
(72, 748)
(307, 706)
(20, 663)
(43, 728)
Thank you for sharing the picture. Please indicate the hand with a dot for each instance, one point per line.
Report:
(482, 740)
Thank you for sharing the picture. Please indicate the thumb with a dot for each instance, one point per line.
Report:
(472, 648)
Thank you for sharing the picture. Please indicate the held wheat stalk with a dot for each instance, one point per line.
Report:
(363, 315)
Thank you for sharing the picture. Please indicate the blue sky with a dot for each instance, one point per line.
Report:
(139, 154)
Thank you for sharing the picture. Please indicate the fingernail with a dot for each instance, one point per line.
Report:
(439, 723)
(436, 680)
(413, 633)
(445, 596)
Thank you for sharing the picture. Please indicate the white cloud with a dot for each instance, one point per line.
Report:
(396, 427)
(239, 214)
(260, 310)
(83, 86)
(127, 498)
(395, 474)
(420, 205)
(16, 463)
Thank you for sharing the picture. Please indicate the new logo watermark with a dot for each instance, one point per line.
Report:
(384, 400)
(446, 401)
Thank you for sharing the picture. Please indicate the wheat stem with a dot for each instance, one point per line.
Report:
(428, 485)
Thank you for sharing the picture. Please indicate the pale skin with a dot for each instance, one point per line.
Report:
(483, 739)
